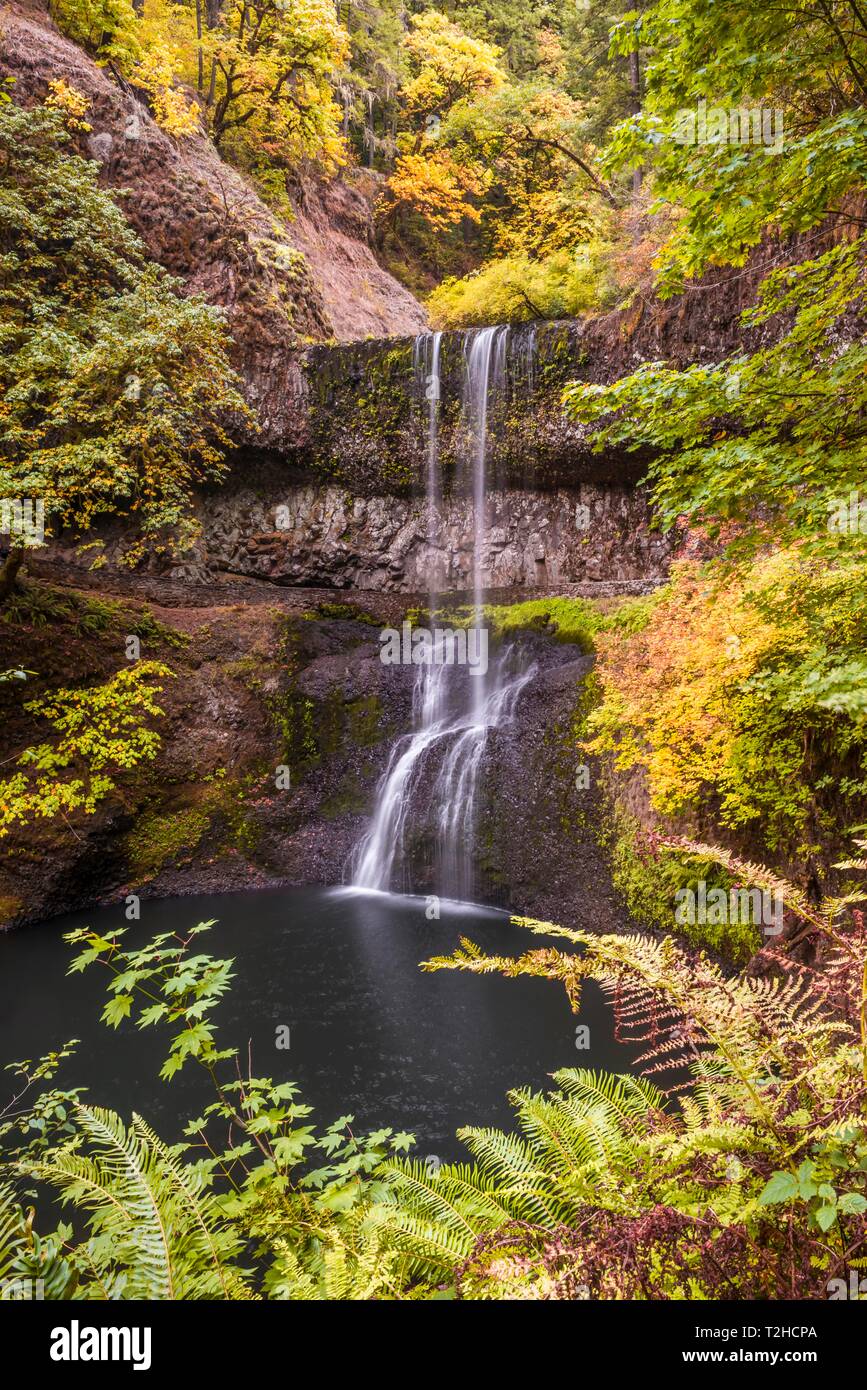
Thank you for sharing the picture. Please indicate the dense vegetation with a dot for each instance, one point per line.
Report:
(755, 1186)
(531, 162)
(483, 125)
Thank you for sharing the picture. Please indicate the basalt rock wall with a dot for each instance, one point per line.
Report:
(369, 414)
(368, 403)
(308, 535)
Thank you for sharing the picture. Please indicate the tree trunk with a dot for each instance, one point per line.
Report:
(635, 92)
(200, 76)
(213, 15)
(9, 573)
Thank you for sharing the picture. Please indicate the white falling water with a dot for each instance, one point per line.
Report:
(426, 367)
(369, 136)
(453, 711)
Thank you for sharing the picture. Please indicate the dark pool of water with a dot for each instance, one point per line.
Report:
(371, 1035)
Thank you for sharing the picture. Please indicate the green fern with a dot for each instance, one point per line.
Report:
(31, 1266)
(156, 1232)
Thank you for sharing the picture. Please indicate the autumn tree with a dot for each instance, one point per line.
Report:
(446, 66)
(507, 165)
(266, 76)
(254, 74)
(115, 388)
(436, 186)
(95, 735)
(104, 27)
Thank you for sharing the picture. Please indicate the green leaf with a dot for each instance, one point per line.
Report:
(781, 1187)
(825, 1217)
(117, 1009)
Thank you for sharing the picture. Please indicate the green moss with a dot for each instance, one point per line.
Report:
(294, 718)
(648, 879)
(163, 837)
(575, 620)
(10, 908)
(312, 730)
(363, 716)
(350, 796)
(631, 615)
(226, 797)
(367, 418)
(247, 669)
(151, 629)
(348, 612)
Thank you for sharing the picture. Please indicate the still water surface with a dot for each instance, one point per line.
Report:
(371, 1035)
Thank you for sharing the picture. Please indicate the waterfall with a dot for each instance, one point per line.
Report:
(432, 778)
(426, 373)
(369, 136)
(485, 371)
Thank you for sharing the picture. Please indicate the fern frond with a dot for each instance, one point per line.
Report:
(756, 874)
(155, 1234)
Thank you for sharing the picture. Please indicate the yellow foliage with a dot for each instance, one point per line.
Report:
(668, 687)
(435, 186)
(263, 74)
(552, 58)
(71, 102)
(106, 28)
(173, 110)
(516, 288)
(448, 65)
(546, 220)
(99, 732)
(269, 83)
(740, 690)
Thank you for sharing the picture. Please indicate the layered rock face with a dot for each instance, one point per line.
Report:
(384, 494)
(369, 412)
(351, 507)
(307, 535)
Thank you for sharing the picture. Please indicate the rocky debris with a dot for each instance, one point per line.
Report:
(334, 229)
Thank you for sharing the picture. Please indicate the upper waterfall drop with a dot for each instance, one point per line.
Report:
(485, 356)
(454, 709)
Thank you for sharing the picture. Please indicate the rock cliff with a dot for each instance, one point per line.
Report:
(306, 535)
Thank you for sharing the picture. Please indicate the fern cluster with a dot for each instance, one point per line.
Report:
(734, 1167)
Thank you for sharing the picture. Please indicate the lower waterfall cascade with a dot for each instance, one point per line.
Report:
(454, 709)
